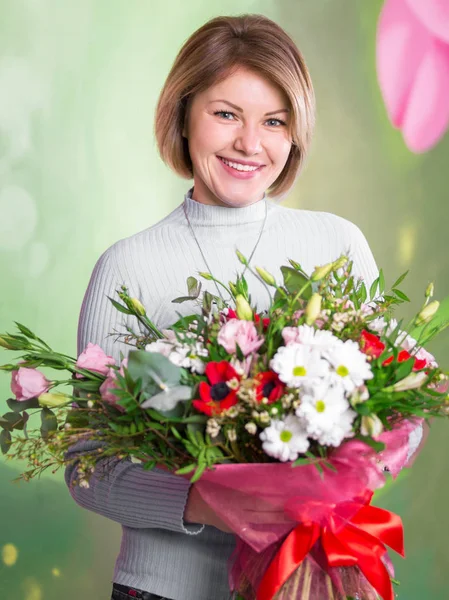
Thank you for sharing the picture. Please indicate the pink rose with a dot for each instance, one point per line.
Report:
(243, 333)
(94, 359)
(28, 383)
(110, 383)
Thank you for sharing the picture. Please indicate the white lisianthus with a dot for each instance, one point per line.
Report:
(326, 414)
(351, 367)
(285, 439)
(297, 364)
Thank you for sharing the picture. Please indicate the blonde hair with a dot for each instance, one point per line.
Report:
(215, 51)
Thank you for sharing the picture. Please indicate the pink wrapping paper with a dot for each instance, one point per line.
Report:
(262, 503)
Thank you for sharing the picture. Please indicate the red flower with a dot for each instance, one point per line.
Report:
(269, 386)
(371, 344)
(217, 396)
(403, 355)
(233, 315)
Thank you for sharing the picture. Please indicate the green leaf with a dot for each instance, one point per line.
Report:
(404, 368)
(199, 471)
(401, 295)
(11, 420)
(400, 279)
(120, 307)
(373, 288)
(193, 287)
(381, 282)
(48, 420)
(294, 281)
(5, 441)
(19, 406)
(182, 299)
(153, 368)
(362, 293)
(186, 469)
(369, 441)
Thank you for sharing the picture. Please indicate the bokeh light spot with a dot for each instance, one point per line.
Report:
(9, 554)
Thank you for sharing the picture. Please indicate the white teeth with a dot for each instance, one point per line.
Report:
(238, 166)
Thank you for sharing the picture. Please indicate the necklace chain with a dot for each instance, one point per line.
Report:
(202, 253)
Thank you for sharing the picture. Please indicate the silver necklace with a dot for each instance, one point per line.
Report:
(202, 253)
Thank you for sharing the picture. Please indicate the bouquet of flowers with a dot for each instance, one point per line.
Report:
(287, 420)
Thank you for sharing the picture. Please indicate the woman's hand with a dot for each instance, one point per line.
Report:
(198, 511)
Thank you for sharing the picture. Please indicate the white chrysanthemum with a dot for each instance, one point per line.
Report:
(325, 414)
(285, 440)
(188, 356)
(309, 336)
(351, 367)
(341, 431)
(297, 364)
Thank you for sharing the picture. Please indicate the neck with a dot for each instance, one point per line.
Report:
(208, 214)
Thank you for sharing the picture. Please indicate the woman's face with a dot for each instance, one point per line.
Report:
(244, 120)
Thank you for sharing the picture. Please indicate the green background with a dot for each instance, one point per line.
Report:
(79, 169)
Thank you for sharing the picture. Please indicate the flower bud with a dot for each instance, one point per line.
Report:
(429, 290)
(233, 288)
(4, 344)
(267, 277)
(52, 400)
(340, 262)
(313, 309)
(243, 309)
(322, 272)
(137, 306)
(371, 426)
(241, 258)
(427, 313)
(207, 276)
(411, 382)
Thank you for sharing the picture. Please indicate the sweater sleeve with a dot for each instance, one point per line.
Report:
(124, 492)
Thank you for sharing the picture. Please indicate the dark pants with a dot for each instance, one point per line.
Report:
(125, 592)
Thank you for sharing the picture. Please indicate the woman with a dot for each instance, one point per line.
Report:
(236, 114)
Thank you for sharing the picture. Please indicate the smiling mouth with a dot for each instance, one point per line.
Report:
(239, 167)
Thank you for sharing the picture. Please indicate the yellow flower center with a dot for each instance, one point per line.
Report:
(342, 371)
(320, 406)
(299, 371)
(286, 436)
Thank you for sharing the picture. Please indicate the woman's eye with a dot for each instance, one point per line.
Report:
(222, 113)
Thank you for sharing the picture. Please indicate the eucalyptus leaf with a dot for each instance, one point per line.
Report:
(295, 281)
(5, 441)
(168, 398)
(153, 368)
(18, 406)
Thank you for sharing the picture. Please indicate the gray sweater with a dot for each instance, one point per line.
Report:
(160, 552)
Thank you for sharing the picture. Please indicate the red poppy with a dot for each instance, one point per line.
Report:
(403, 355)
(233, 315)
(269, 386)
(217, 396)
(371, 344)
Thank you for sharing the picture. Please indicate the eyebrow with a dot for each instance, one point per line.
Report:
(273, 112)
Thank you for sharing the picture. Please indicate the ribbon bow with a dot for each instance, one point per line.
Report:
(352, 533)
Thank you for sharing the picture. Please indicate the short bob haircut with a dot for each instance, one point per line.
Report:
(215, 51)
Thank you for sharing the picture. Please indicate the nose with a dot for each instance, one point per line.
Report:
(248, 140)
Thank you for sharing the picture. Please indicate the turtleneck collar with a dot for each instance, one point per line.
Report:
(207, 214)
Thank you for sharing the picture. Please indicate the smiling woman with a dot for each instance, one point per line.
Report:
(236, 114)
(248, 64)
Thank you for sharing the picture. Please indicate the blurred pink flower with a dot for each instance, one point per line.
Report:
(413, 68)
(241, 332)
(110, 383)
(28, 383)
(95, 359)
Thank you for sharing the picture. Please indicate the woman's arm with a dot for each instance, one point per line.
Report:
(128, 494)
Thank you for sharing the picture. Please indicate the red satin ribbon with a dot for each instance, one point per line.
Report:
(359, 540)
